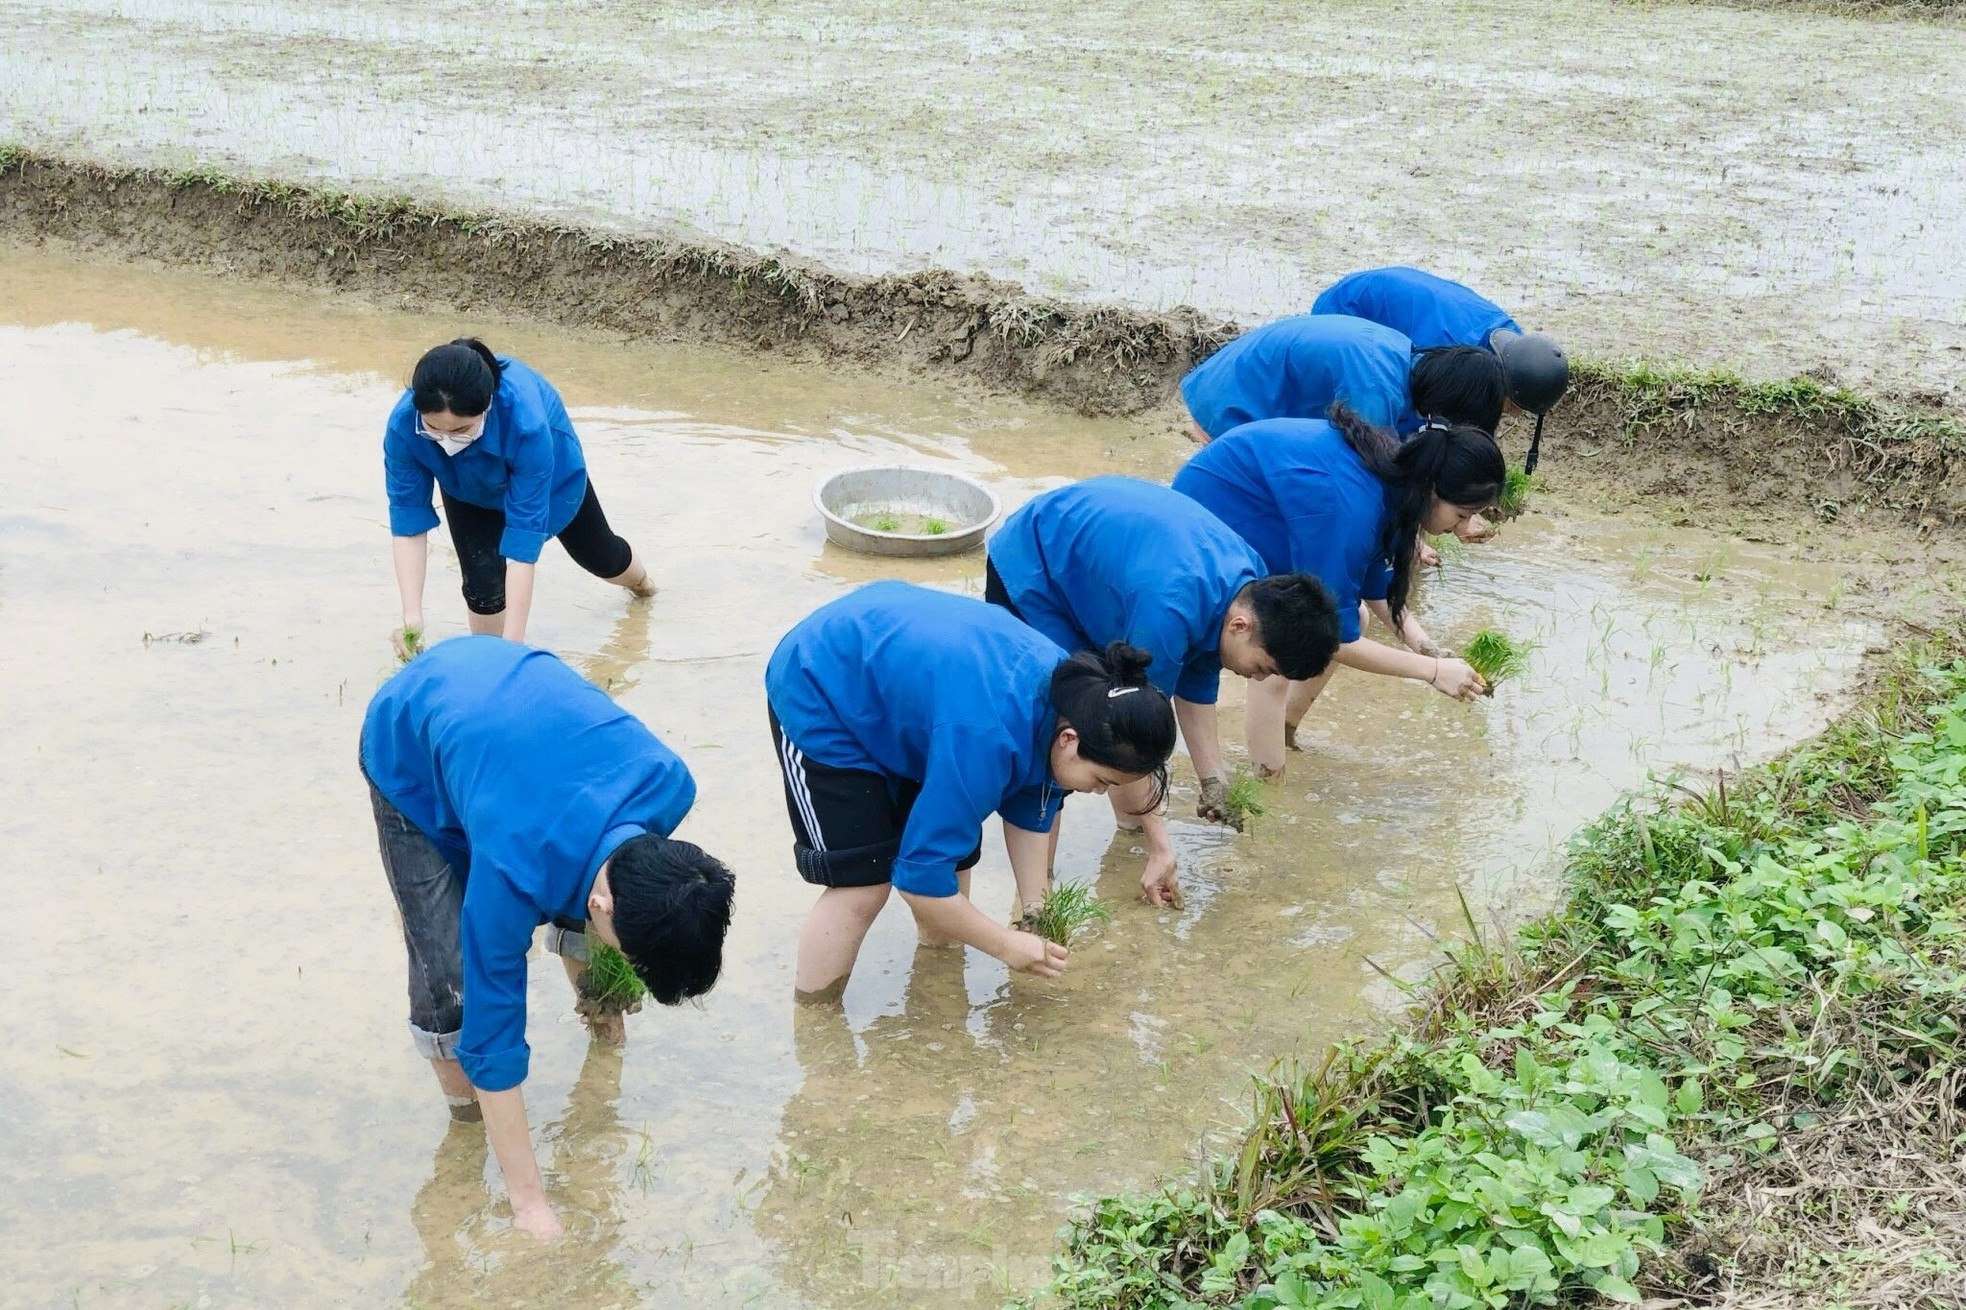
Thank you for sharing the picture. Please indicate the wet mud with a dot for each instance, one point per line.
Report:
(227, 1112)
(1718, 454)
(1656, 183)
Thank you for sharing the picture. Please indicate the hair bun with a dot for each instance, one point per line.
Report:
(1128, 665)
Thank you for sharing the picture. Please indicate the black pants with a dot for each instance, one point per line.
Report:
(475, 531)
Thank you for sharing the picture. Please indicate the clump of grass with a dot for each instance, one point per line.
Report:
(1064, 913)
(1245, 801)
(887, 523)
(1495, 655)
(610, 986)
(1516, 489)
(934, 527)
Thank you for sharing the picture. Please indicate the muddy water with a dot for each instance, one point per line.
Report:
(1653, 180)
(210, 1099)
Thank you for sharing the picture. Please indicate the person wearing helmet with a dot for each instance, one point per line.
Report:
(1433, 312)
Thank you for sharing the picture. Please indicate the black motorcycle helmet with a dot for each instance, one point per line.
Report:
(1536, 373)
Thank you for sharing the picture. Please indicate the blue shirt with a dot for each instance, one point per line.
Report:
(1296, 367)
(1118, 559)
(1429, 310)
(1305, 501)
(526, 777)
(922, 686)
(527, 463)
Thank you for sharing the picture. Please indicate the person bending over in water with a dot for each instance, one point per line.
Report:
(903, 717)
(1344, 500)
(1119, 559)
(1300, 367)
(1433, 312)
(494, 439)
(510, 792)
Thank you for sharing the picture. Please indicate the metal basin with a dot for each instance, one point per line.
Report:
(853, 501)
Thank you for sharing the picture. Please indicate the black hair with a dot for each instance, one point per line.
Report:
(1459, 385)
(1296, 622)
(1124, 722)
(460, 376)
(671, 911)
(1461, 465)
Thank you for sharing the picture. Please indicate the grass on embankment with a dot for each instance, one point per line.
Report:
(1733, 1064)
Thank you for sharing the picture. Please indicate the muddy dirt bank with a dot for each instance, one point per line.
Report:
(1708, 448)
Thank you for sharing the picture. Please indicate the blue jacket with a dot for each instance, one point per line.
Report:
(925, 687)
(1118, 559)
(526, 777)
(1429, 311)
(1299, 495)
(527, 463)
(1296, 367)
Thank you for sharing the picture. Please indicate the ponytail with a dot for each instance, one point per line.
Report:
(1458, 464)
(1123, 721)
(461, 377)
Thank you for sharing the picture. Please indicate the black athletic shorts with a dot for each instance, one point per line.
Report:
(846, 823)
(476, 531)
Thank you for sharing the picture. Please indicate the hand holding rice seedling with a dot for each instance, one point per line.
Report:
(1064, 913)
(1495, 656)
(609, 990)
(1237, 802)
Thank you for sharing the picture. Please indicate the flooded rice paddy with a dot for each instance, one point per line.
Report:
(1640, 178)
(210, 1099)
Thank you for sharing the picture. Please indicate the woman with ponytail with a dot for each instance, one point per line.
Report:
(1345, 501)
(903, 718)
(490, 435)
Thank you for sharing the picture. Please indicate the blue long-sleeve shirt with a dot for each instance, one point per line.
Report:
(1296, 367)
(940, 690)
(526, 777)
(1427, 309)
(528, 463)
(1119, 559)
(1305, 501)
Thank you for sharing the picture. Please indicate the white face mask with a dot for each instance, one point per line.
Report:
(452, 442)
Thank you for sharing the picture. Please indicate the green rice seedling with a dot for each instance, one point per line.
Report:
(1450, 548)
(1495, 656)
(1516, 489)
(887, 523)
(610, 986)
(934, 527)
(1246, 800)
(1064, 913)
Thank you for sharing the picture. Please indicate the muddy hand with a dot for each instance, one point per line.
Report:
(1476, 530)
(1425, 556)
(1032, 954)
(1160, 883)
(1458, 679)
(1214, 802)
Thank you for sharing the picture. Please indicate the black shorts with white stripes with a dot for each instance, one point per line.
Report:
(846, 823)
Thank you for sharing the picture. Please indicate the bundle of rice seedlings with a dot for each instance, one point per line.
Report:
(1495, 656)
(610, 986)
(1064, 913)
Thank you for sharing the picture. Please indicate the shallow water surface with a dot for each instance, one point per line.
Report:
(1641, 178)
(210, 1098)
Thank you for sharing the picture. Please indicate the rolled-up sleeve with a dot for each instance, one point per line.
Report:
(410, 486)
(496, 934)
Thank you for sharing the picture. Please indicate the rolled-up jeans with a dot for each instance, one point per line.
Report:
(430, 897)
